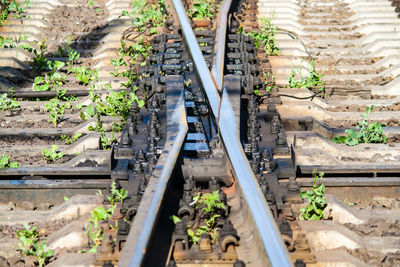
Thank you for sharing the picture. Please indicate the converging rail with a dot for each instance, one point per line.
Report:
(224, 116)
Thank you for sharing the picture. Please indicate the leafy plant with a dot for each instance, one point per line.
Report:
(56, 110)
(117, 195)
(52, 154)
(314, 210)
(369, 132)
(211, 208)
(73, 56)
(70, 139)
(11, 7)
(312, 80)
(91, 3)
(84, 75)
(52, 80)
(265, 37)
(129, 56)
(106, 142)
(143, 15)
(7, 103)
(30, 244)
(202, 9)
(40, 60)
(93, 229)
(5, 162)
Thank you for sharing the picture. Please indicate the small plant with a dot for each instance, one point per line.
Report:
(84, 75)
(56, 110)
(117, 195)
(143, 15)
(202, 9)
(268, 83)
(369, 132)
(11, 7)
(70, 139)
(40, 60)
(30, 244)
(314, 210)
(7, 103)
(106, 142)
(265, 37)
(73, 56)
(93, 228)
(209, 208)
(52, 154)
(5, 162)
(313, 80)
(52, 80)
(91, 3)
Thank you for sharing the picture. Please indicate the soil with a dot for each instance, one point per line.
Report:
(44, 228)
(18, 140)
(38, 124)
(79, 24)
(362, 108)
(374, 258)
(337, 61)
(34, 160)
(376, 228)
(352, 124)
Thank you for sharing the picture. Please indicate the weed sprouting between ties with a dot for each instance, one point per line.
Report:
(368, 132)
(315, 196)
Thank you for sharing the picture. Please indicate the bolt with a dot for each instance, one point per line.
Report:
(281, 140)
(299, 263)
(123, 227)
(125, 141)
(284, 228)
(140, 156)
(189, 184)
(255, 165)
(187, 197)
(239, 263)
(222, 196)
(205, 242)
(180, 228)
(213, 184)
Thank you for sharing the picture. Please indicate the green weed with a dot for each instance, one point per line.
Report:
(211, 208)
(52, 154)
(369, 132)
(30, 244)
(5, 162)
(70, 139)
(202, 9)
(56, 110)
(7, 103)
(265, 37)
(311, 81)
(314, 210)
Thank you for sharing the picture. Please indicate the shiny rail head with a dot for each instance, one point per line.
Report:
(263, 219)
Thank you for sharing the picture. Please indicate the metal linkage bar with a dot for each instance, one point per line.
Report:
(263, 219)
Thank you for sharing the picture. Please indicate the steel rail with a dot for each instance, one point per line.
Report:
(206, 79)
(146, 217)
(267, 228)
(217, 69)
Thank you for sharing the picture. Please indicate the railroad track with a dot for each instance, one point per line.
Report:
(201, 129)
